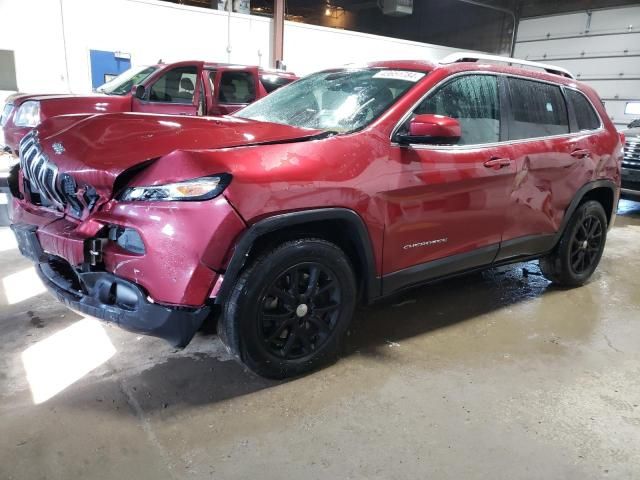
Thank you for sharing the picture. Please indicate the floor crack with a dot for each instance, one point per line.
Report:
(146, 426)
(611, 344)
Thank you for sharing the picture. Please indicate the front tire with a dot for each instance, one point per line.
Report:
(579, 251)
(290, 308)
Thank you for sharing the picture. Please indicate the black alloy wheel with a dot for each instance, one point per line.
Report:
(299, 310)
(577, 255)
(586, 244)
(290, 308)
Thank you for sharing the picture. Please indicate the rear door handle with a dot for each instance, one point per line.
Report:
(497, 163)
(580, 153)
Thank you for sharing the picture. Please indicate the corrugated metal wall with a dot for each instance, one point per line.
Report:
(601, 47)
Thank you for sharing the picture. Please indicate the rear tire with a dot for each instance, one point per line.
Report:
(579, 251)
(290, 308)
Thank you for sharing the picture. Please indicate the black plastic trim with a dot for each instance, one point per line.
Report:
(577, 199)
(512, 251)
(115, 300)
(372, 283)
(526, 247)
(438, 269)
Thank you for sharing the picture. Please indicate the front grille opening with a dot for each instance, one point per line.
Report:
(14, 182)
(127, 238)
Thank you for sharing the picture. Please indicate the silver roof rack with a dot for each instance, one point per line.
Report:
(474, 57)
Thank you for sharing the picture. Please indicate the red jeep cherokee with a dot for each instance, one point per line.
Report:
(348, 185)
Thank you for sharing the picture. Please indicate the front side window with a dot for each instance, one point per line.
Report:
(585, 115)
(176, 86)
(340, 101)
(538, 110)
(473, 100)
(122, 84)
(237, 87)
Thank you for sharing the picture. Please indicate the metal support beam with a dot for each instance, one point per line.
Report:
(278, 34)
(517, 14)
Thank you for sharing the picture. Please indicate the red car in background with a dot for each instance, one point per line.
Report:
(184, 88)
(348, 185)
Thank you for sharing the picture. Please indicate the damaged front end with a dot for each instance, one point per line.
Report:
(103, 295)
(146, 266)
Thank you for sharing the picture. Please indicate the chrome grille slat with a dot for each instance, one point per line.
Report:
(29, 155)
(43, 175)
(37, 171)
(56, 186)
(631, 155)
(33, 169)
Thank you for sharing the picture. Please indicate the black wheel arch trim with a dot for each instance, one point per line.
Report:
(371, 282)
(579, 196)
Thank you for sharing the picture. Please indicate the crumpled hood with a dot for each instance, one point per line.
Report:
(95, 149)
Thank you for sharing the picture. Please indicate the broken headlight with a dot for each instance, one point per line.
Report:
(203, 188)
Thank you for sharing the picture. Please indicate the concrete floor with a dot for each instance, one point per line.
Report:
(494, 375)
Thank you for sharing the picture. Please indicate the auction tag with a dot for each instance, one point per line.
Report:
(400, 75)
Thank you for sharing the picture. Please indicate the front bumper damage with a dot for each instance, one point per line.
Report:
(107, 297)
(160, 288)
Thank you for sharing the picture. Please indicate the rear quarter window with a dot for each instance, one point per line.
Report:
(538, 110)
(586, 117)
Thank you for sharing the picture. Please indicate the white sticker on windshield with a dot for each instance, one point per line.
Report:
(400, 75)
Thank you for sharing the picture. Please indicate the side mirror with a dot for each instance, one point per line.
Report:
(138, 91)
(429, 128)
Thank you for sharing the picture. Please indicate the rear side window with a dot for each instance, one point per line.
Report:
(538, 110)
(586, 116)
(473, 100)
(273, 82)
(236, 87)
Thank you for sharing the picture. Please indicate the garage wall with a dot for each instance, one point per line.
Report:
(150, 31)
(52, 54)
(601, 47)
(308, 48)
(38, 50)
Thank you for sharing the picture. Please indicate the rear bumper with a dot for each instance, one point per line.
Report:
(108, 297)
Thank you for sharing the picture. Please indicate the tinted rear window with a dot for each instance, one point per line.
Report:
(538, 109)
(585, 115)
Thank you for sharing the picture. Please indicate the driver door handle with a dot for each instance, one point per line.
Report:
(497, 163)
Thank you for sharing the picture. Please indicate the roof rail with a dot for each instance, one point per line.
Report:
(474, 57)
